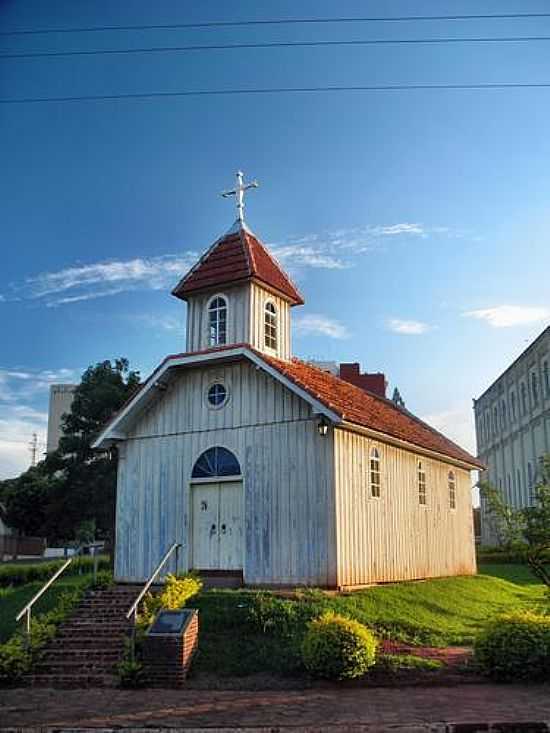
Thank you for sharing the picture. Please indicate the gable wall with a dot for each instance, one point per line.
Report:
(394, 537)
(287, 473)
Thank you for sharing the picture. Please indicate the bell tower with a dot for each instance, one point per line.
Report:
(237, 293)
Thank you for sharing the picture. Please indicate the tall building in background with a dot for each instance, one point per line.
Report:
(61, 399)
(512, 419)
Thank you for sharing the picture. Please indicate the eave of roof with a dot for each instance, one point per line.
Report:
(342, 402)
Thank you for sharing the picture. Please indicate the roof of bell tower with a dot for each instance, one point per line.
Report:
(236, 257)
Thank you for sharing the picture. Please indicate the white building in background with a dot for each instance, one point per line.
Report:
(512, 419)
(61, 399)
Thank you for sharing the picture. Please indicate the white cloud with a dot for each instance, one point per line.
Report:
(313, 323)
(18, 385)
(505, 316)
(17, 425)
(163, 323)
(101, 279)
(299, 255)
(331, 250)
(408, 328)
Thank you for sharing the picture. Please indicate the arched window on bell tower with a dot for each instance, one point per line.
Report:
(270, 326)
(217, 321)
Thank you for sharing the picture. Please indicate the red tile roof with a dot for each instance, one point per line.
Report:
(237, 256)
(349, 402)
(368, 410)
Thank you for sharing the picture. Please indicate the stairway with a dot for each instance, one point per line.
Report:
(89, 643)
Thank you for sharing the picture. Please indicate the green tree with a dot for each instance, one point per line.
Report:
(527, 528)
(87, 490)
(27, 498)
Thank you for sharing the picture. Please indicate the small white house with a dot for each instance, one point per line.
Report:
(266, 467)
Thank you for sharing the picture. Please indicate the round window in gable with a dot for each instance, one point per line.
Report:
(217, 395)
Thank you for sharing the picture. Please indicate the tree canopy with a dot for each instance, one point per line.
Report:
(74, 488)
(526, 528)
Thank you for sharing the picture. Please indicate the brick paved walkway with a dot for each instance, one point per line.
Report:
(318, 708)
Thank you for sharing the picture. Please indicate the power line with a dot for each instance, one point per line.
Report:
(274, 21)
(283, 90)
(274, 44)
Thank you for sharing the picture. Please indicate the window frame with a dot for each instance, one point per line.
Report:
(214, 340)
(451, 485)
(271, 325)
(375, 470)
(421, 484)
(210, 386)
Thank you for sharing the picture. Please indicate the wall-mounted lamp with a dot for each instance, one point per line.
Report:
(322, 427)
(161, 386)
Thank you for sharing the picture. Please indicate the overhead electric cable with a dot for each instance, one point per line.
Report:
(274, 44)
(273, 21)
(282, 90)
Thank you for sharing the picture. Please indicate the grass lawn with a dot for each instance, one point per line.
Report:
(12, 601)
(442, 612)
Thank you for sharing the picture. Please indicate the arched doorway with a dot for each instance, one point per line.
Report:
(217, 527)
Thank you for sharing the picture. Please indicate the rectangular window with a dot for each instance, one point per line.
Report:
(422, 493)
(375, 474)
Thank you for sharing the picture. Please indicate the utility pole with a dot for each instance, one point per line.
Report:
(33, 447)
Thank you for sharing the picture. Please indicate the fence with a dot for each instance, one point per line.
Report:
(12, 546)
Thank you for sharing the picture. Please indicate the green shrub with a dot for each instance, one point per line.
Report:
(175, 594)
(104, 579)
(130, 674)
(19, 574)
(337, 647)
(18, 654)
(515, 646)
(284, 618)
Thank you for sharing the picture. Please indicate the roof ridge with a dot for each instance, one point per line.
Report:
(277, 264)
(244, 234)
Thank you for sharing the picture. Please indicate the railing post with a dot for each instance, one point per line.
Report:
(96, 558)
(28, 627)
(133, 637)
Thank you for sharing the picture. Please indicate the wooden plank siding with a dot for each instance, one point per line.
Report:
(245, 319)
(259, 297)
(287, 471)
(394, 537)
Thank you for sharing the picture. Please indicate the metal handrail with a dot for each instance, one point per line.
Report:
(133, 609)
(28, 607)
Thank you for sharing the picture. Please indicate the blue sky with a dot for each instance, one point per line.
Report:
(416, 223)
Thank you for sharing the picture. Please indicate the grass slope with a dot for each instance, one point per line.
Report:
(445, 611)
(13, 599)
(441, 612)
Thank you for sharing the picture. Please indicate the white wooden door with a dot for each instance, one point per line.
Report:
(218, 526)
(231, 526)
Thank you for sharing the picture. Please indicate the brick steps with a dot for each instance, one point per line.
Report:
(89, 644)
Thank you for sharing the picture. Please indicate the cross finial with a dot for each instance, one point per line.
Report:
(238, 192)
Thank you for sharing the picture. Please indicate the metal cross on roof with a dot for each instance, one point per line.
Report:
(238, 192)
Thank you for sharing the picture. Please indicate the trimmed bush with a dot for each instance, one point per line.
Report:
(175, 594)
(336, 647)
(515, 646)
